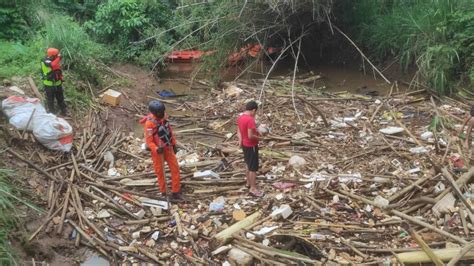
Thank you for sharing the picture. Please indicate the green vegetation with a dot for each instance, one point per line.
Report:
(437, 36)
(124, 23)
(434, 36)
(9, 201)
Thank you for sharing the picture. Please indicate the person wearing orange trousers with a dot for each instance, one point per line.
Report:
(162, 144)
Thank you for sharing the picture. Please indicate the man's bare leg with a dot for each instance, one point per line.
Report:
(247, 173)
(252, 179)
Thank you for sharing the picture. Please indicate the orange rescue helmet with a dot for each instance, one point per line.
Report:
(52, 52)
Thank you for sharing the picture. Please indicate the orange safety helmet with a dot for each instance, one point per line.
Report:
(52, 52)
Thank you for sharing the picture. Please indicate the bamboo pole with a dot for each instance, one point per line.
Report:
(429, 226)
(225, 236)
(436, 260)
(421, 257)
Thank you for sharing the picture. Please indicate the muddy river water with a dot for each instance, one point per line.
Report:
(334, 78)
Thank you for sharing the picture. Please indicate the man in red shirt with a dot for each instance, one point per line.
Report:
(248, 140)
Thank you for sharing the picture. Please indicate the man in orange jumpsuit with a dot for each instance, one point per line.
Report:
(162, 144)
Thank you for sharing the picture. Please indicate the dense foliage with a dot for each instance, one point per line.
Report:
(123, 23)
(437, 36)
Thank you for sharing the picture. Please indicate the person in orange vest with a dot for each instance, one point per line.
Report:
(160, 140)
(52, 77)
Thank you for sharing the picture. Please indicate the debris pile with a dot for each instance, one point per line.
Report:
(348, 179)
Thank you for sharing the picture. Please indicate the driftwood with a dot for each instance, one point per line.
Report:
(436, 260)
(421, 257)
(461, 254)
(35, 89)
(429, 226)
(225, 236)
(315, 108)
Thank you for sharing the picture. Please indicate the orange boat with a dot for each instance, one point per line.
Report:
(189, 56)
(185, 56)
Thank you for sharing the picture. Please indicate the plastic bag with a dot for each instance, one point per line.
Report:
(19, 110)
(53, 132)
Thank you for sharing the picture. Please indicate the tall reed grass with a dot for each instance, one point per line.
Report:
(435, 35)
(10, 199)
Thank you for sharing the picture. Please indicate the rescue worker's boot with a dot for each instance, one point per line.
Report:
(176, 196)
(64, 112)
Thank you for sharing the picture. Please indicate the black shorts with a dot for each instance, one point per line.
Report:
(251, 157)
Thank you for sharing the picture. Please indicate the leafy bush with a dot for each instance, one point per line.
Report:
(18, 59)
(436, 35)
(79, 52)
(79, 9)
(12, 24)
(123, 23)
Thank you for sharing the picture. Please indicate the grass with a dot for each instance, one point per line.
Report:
(17, 59)
(9, 201)
(435, 35)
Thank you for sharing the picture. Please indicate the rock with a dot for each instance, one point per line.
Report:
(297, 161)
(103, 214)
(238, 257)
